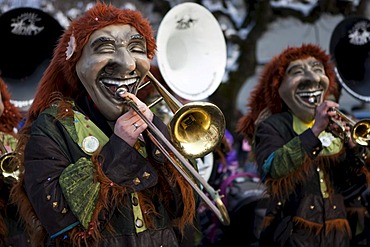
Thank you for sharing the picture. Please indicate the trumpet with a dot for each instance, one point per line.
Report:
(360, 131)
(9, 163)
(196, 129)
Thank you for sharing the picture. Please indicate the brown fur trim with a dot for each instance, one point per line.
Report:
(110, 194)
(366, 172)
(11, 115)
(285, 186)
(360, 211)
(330, 225)
(113, 194)
(187, 194)
(28, 218)
(3, 230)
(170, 174)
(338, 224)
(267, 220)
(312, 227)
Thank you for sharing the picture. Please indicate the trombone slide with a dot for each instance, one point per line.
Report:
(165, 146)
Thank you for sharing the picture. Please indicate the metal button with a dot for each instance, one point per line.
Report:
(136, 181)
(146, 175)
(139, 223)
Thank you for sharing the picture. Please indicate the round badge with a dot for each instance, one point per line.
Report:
(90, 144)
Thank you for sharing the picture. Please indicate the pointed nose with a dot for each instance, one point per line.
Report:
(312, 76)
(123, 63)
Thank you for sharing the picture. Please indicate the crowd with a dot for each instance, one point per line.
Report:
(84, 171)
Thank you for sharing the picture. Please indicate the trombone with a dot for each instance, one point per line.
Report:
(9, 163)
(360, 131)
(191, 125)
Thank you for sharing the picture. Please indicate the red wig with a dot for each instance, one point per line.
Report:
(11, 115)
(61, 76)
(265, 98)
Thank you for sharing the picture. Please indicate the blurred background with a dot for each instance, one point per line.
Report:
(254, 30)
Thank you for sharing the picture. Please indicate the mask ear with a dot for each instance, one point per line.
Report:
(71, 47)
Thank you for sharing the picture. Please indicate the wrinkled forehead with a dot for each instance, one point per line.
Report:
(119, 32)
(304, 62)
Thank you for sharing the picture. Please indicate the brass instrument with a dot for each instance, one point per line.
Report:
(192, 60)
(9, 163)
(360, 131)
(196, 129)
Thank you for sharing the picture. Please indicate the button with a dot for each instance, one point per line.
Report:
(90, 144)
(136, 181)
(146, 175)
(139, 223)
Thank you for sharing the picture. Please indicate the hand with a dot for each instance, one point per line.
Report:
(348, 138)
(130, 125)
(323, 116)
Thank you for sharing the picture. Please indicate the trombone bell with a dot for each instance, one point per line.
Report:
(197, 128)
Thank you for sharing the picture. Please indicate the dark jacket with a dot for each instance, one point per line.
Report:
(314, 190)
(61, 183)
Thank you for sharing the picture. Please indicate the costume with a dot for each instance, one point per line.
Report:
(71, 160)
(11, 232)
(83, 185)
(314, 183)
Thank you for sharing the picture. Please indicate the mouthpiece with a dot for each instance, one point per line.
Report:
(120, 91)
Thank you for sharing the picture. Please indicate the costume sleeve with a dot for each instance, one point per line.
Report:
(44, 163)
(123, 164)
(280, 152)
(130, 165)
(350, 174)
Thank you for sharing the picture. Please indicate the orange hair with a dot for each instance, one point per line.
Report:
(11, 115)
(265, 95)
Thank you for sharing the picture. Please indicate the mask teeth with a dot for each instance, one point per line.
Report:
(312, 100)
